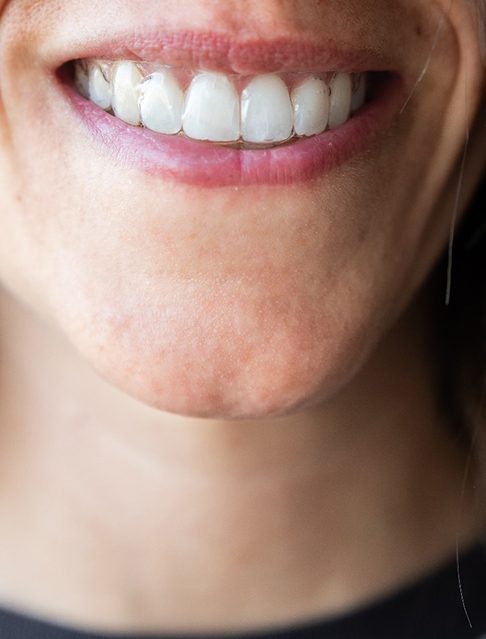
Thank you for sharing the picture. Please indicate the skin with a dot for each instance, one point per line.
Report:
(227, 420)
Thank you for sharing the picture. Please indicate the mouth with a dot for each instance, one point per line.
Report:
(204, 112)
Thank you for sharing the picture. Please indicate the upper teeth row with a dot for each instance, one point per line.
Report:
(265, 112)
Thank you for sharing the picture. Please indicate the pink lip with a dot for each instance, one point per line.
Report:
(225, 53)
(208, 165)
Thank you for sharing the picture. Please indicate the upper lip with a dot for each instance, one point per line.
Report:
(347, 37)
(221, 52)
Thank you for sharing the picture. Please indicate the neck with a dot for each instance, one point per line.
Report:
(173, 523)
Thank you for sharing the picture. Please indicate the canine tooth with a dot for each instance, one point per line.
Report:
(161, 103)
(311, 107)
(359, 95)
(126, 92)
(81, 79)
(212, 109)
(99, 87)
(340, 104)
(266, 110)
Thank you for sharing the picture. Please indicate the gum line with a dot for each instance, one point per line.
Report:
(185, 77)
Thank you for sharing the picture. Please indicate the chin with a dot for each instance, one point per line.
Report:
(217, 362)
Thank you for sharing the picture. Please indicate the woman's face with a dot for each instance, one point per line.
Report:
(230, 282)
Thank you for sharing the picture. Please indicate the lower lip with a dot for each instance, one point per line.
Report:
(204, 164)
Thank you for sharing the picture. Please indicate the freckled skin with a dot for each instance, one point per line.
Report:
(228, 302)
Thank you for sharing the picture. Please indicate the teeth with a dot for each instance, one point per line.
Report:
(81, 79)
(99, 87)
(126, 92)
(359, 94)
(311, 107)
(340, 106)
(212, 109)
(161, 103)
(266, 110)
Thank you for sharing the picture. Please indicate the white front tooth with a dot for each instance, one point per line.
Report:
(126, 92)
(212, 109)
(161, 103)
(311, 107)
(359, 95)
(266, 110)
(340, 107)
(99, 87)
(81, 78)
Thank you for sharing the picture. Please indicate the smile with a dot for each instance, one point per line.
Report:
(217, 123)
